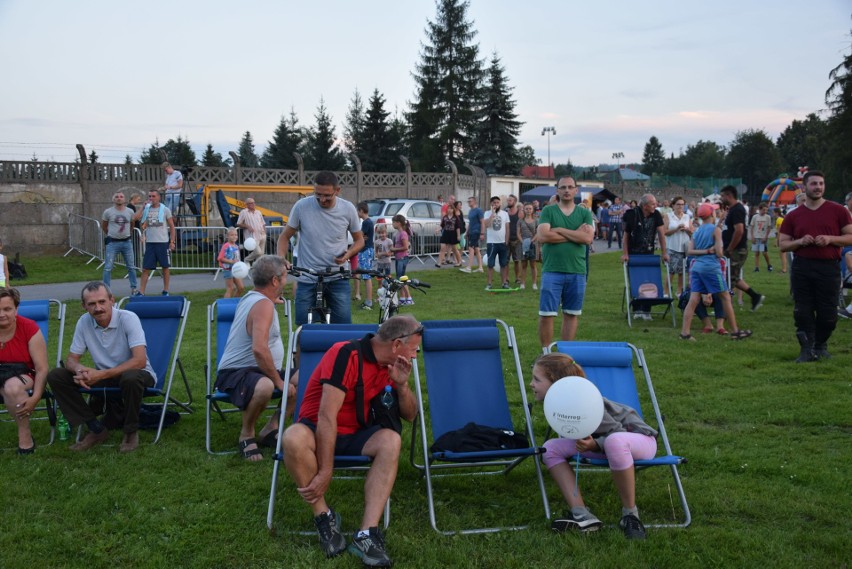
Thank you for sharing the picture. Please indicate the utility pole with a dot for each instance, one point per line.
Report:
(549, 130)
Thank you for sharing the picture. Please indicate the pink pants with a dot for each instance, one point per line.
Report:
(620, 449)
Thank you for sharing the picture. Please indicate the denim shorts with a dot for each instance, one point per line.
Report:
(401, 265)
(498, 251)
(567, 288)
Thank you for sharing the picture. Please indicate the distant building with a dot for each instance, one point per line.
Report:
(539, 172)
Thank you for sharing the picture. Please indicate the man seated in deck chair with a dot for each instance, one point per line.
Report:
(116, 342)
(250, 369)
(335, 419)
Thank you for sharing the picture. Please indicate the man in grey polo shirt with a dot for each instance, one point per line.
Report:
(116, 342)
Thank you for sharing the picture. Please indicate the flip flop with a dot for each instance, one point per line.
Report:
(687, 337)
(740, 334)
(30, 450)
(270, 439)
(722, 332)
(247, 454)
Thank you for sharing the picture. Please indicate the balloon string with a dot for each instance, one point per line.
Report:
(577, 474)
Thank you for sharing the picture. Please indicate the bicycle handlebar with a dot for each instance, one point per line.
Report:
(414, 283)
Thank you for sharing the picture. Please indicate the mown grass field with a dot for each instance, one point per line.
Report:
(768, 443)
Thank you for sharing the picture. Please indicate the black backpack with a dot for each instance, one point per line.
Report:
(475, 438)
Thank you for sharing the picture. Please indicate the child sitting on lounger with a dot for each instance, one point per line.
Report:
(621, 437)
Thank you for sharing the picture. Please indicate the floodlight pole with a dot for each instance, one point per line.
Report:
(618, 156)
(549, 130)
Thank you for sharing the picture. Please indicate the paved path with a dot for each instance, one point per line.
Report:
(193, 282)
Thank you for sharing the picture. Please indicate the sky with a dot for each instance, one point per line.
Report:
(117, 76)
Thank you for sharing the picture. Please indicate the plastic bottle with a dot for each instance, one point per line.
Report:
(62, 426)
(387, 397)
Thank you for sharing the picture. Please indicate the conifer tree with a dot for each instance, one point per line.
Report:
(213, 159)
(245, 152)
(653, 158)
(448, 79)
(321, 151)
(495, 142)
(353, 129)
(286, 140)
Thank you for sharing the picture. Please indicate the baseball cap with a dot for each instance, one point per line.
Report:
(706, 209)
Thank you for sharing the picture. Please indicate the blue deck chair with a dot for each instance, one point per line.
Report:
(646, 272)
(845, 278)
(220, 316)
(464, 383)
(163, 319)
(610, 365)
(312, 341)
(39, 312)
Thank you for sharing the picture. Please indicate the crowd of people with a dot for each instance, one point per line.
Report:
(339, 393)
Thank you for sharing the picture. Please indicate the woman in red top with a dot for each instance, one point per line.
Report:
(21, 342)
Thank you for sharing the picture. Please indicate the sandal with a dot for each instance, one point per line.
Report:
(722, 332)
(30, 450)
(687, 337)
(708, 330)
(270, 439)
(247, 454)
(740, 334)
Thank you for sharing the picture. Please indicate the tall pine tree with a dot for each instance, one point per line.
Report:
(287, 139)
(839, 151)
(354, 126)
(448, 80)
(495, 141)
(178, 152)
(653, 158)
(376, 140)
(245, 152)
(321, 151)
(213, 159)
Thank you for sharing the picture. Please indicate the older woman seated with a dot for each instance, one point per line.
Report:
(23, 365)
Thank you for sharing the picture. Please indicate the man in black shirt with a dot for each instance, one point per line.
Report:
(643, 224)
(735, 243)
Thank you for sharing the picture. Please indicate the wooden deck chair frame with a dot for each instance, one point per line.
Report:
(151, 310)
(464, 382)
(635, 268)
(39, 311)
(318, 338)
(611, 367)
(220, 316)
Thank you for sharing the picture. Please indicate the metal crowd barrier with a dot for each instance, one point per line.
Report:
(85, 237)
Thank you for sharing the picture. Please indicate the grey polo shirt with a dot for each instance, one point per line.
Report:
(110, 346)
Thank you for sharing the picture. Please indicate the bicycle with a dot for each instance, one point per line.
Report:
(320, 306)
(388, 293)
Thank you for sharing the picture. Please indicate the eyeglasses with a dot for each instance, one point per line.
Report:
(419, 331)
(566, 187)
(323, 197)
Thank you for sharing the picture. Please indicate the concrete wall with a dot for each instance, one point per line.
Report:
(34, 217)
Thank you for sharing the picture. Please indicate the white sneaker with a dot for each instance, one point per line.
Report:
(522, 287)
(480, 270)
(465, 269)
(535, 286)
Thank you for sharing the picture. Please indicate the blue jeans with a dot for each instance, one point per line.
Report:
(336, 294)
(124, 247)
(172, 201)
(615, 227)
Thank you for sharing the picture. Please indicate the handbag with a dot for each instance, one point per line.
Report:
(13, 369)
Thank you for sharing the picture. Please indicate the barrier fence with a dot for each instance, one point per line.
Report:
(197, 247)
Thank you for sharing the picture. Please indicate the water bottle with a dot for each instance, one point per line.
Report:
(63, 426)
(387, 397)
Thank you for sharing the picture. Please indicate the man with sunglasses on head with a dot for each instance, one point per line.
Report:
(564, 230)
(353, 405)
(322, 223)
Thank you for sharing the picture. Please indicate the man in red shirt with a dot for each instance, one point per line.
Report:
(335, 419)
(815, 232)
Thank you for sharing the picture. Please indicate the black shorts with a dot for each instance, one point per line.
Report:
(349, 445)
(239, 384)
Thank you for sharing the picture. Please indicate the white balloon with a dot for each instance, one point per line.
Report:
(250, 244)
(573, 407)
(240, 270)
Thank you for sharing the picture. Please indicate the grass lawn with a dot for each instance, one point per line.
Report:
(768, 443)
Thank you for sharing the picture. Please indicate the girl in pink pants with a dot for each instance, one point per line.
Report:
(621, 438)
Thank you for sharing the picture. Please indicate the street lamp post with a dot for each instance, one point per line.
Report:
(618, 156)
(548, 130)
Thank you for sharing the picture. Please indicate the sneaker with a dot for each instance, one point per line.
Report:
(135, 292)
(769, 268)
(755, 304)
(465, 269)
(757, 269)
(506, 285)
(332, 541)
(366, 306)
(535, 286)
(480, 270)
(843, 313)
(584, 522)
(371, 549)
(165, 293)
(632, 527)
(488, 287)
(523, 286)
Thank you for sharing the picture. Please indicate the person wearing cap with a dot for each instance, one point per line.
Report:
(815, 232)
(735, 243)
(706, 276)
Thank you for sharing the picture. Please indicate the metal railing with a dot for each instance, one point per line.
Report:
(85, 237)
